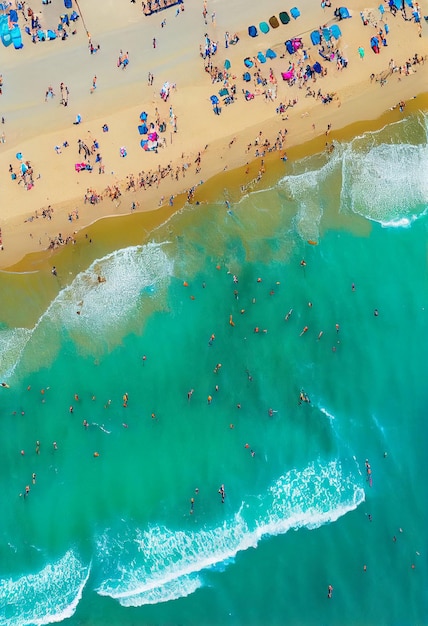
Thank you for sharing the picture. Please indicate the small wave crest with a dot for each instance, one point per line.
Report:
(49, 596)
(12, 345)
(385, 183)
(92, 309)
(160, 564)
(304, 188)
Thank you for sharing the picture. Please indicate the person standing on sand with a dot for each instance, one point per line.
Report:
(94, 84)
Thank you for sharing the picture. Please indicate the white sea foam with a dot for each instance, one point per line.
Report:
(303, 188)
(12, 344)
(48, 596)
(387, 183)
(326, 413)
(104, 307)
(168, 563)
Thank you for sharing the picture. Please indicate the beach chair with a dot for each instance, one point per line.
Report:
(315, 38)
(284, 18)
(264, 27)
(273, 21)
(252, 31)
(295, 13)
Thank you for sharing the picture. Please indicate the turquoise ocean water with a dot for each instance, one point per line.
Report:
(115, 539)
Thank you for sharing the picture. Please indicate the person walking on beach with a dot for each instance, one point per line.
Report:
(94, 84)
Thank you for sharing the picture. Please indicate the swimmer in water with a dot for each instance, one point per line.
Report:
(305, 330)
(287, 317)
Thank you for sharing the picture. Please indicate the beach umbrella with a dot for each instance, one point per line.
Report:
(227, 64)
(270, 54)
(19, 156)
(24, 168)
(214, 99)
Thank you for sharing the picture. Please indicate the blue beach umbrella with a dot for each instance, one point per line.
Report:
(227, 64)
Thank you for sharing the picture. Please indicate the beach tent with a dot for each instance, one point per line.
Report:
(335, 31)
(13, 16)
(41, 35)
(264, 27)
(261, 57)
(252, 31)
(143, 116)
(74, 16)
(273, 21)
(142, 129)
(248, 62)
(51, 34)
(223, 92)
(270, 54)
(284, 17)
(227, 64)
(68, 4)
(315, 37)
(317, 68)
(344, 13)
(247, 77)
(295, 13)
(214, 99)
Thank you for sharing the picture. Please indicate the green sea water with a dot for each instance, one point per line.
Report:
(183, 372)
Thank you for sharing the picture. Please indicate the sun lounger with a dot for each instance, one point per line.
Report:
(284, 17)
(273, 21)
(295, 13)
(264, 27)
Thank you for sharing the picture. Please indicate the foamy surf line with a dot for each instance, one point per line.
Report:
(125, 274)
(50, 596)
(170, 562)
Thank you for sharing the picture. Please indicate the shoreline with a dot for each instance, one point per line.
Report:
(32, 273)
(222, 141)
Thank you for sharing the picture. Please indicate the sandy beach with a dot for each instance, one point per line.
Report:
(196, 143)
